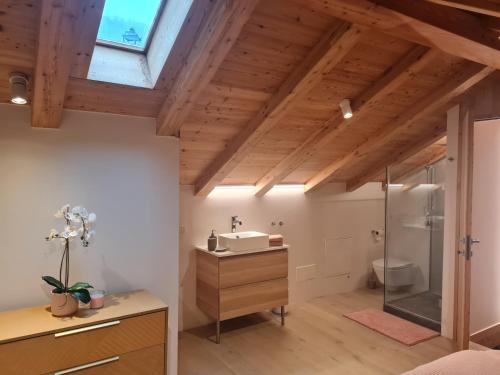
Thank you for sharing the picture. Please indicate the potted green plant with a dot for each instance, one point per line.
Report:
(79, 225)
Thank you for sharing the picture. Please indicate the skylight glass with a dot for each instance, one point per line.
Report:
(128, 23)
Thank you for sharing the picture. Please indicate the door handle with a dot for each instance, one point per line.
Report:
(468, 241)
(85, 329)
(88, 365)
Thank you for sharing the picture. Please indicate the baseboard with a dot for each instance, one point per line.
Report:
(489, 337)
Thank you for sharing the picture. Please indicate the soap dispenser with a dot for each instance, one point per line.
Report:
(212, 242)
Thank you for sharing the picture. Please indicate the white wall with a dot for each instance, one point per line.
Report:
(346, 219)
(114, 166)
(485, 287)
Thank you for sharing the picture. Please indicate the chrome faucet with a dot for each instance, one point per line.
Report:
(235, 221)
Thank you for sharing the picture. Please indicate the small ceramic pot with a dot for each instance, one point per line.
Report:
(63, 304)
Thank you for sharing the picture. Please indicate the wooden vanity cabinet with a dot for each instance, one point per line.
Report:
(232, 285)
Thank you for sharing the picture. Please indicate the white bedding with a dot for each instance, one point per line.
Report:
(467, 362)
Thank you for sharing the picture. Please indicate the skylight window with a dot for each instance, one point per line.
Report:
(129, 24)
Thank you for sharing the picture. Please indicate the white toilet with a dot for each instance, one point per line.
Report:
(400, 273)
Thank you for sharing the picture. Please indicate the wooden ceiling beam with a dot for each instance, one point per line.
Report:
(59, 26)
(208, 33)
(96, 96)
(405, 153)
(485, 7)
(329, 51)
(408, 66)
(428, 105)
(89, 26)
(453, 31)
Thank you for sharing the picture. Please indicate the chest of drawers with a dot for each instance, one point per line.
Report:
(127, 336)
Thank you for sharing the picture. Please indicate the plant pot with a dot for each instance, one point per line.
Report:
(63, 304)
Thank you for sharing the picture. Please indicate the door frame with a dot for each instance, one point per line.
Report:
(465, 169)
(481, 104)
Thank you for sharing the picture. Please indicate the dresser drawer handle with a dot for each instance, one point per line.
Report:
(85, 329)
(88, 365)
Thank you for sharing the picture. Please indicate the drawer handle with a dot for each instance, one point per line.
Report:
(85, 329)
(88, 365)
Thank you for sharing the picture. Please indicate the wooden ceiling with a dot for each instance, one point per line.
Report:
(252, 88)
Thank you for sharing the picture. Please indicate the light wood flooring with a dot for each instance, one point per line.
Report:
(317, 340)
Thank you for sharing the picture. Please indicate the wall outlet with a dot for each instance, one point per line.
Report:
(304, 273)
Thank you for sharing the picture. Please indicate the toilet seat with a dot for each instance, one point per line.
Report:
(392, 263)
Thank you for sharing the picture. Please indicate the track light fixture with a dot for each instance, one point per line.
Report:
(345, 106)
(18, 88)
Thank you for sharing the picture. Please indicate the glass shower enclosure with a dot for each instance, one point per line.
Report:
(414, 243)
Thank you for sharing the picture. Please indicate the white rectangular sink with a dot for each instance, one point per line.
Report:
(243, 241)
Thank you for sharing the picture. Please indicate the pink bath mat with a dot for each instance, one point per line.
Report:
(391, 326)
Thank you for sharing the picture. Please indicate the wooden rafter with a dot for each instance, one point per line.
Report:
(451, 30)
(325, 55)
(486, 7)
(210, 30)
(409, 65)
(89, 26)
(433, 157)
(428, 105)
(404, 154)
(59, 25)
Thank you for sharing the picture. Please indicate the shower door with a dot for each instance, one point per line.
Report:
(414, 238)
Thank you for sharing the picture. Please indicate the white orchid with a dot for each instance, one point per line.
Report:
(61, 213)
(70, 232)
(78, 224)
(52, 234)
(89, 235)
(79, 212)
(92, 218)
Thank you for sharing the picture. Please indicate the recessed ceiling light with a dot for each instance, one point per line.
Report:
(18, 88)
(345, 106)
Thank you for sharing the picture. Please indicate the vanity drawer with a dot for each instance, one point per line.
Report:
(49, 353)
(251, 298)
(148, 361)
(252, 268)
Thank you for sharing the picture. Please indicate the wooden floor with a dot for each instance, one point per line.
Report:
(315, 340)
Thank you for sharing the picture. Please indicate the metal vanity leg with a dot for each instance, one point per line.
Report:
(217, 333)
(282, 315)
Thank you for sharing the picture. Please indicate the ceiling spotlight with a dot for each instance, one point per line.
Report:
(18, 88)
(345, 106)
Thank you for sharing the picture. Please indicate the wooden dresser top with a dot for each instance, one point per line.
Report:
(37, 321)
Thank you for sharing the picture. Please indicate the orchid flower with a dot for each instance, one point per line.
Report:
(52, 234)
(79, 224)
(61, 213)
